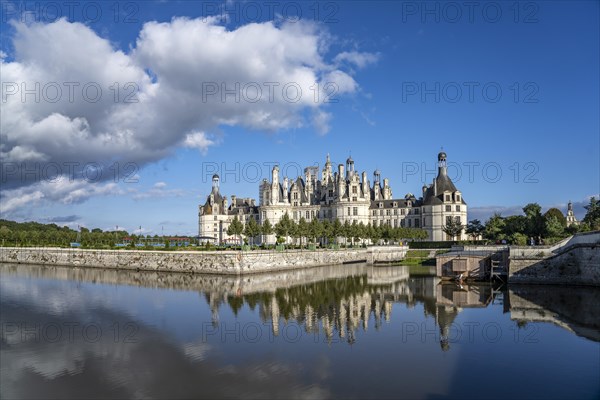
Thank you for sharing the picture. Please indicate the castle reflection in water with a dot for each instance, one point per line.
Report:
(338, 301)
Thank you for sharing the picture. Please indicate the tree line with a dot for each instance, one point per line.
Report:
(324, 232)
(36, 234)
(546, 228)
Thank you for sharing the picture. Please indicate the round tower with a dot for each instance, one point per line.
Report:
(215, 183)
(442, 165)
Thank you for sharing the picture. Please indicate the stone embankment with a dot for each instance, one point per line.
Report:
(210, 262)
(573, 261)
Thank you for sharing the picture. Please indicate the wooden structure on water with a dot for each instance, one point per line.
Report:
(478, 265)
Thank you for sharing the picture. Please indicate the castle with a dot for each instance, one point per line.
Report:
(344, 194)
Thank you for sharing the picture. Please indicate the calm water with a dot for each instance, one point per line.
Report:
(345, 331)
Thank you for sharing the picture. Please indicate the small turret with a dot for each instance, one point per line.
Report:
(442, 166)
(215, 183)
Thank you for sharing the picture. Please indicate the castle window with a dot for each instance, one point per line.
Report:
(448, 208)
(295, 214)
(395, 223)
(416, 211)
(380, 205)
(410, 223)
(374, 212)
(458, 197)
(264, 215)
(354, 190)
(380, 212)
(295, 204)
(355, 211)
(402, 223)
(348, 211)
(395, 211)
(458, 208)
(329, 213)
(448, 220)
(307, 214)
(447, 197)
(395, 204)
(354, 198)
(295, 195)
(330, 193)
(215, 217)
(387, 212)
(416, 223)
(402, 211)
(457, 219)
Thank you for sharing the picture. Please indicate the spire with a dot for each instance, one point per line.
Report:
(442, 166)
(215, 183)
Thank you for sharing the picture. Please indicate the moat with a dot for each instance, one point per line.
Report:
(351, 331)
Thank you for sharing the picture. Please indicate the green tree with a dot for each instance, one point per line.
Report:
(5, 234)
(293, 231)
(327, 232)
(592, 216)
(554, 228)
(421, 234)
(252, 230)
(494, 227)
(518, 239)
(360, 231)
(315, 229)
(453, 228)
(515, 224)
(235, 228)
(474, 228)
(303, 230)
(555, 212)
(336, 230)
(282, 228)
(347, 232)
(536, 225)
(386, 233)
(375, 234)
(266, 228)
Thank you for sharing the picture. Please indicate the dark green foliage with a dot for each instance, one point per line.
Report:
(592, 216)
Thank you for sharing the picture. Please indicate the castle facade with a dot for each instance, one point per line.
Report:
(341, 194)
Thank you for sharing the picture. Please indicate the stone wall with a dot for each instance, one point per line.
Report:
(579, 265)
(214, 262)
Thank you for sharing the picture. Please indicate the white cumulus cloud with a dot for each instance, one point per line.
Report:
(94, 103)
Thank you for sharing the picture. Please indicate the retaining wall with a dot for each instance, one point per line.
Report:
(213, 262)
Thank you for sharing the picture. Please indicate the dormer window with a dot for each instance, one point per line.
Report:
(458, 197)
(408, 203)
(380, 205)
(448, 197)
(395, 204)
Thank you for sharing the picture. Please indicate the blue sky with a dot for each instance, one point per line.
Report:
(409, 82)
